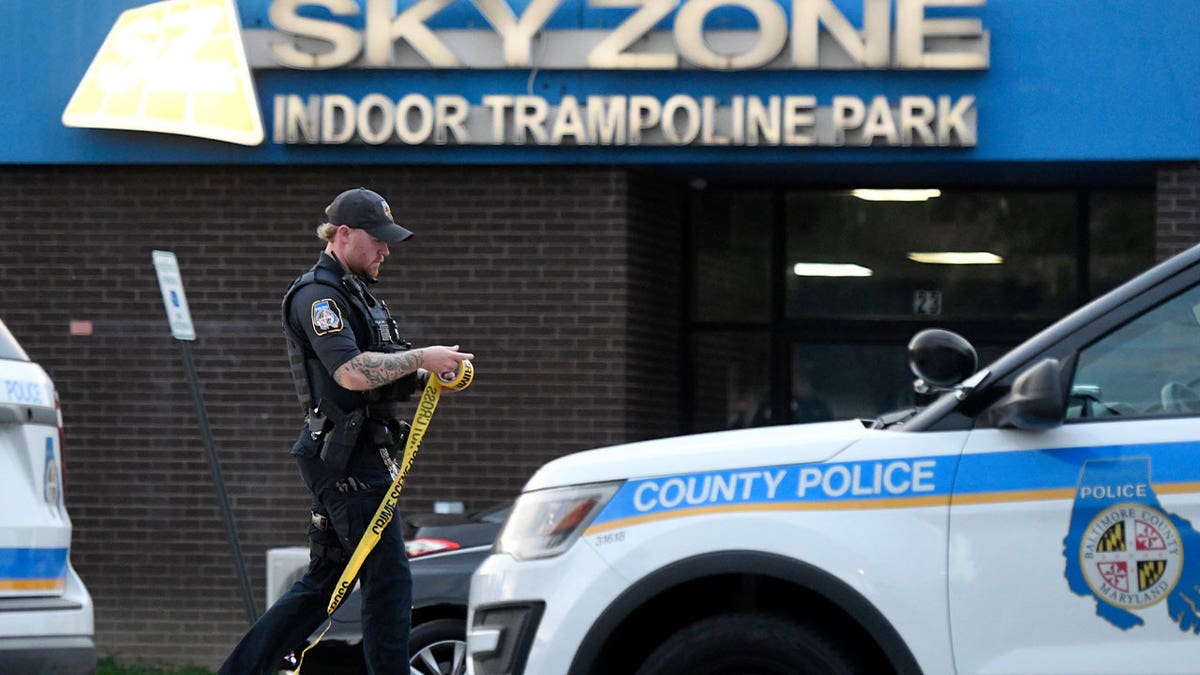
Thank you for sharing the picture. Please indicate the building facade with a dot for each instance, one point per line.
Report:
(644, 218)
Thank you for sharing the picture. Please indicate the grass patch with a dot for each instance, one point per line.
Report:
(109, 667)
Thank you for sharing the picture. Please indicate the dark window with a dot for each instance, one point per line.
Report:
(841, 381)
(959, 255)
(1121, 233)
(731, 236)
(769, 342)
(732, 372)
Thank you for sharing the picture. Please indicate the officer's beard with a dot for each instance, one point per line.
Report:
(363, 277)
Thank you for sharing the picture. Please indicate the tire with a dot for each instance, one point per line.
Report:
(438, 648)
(748, 643)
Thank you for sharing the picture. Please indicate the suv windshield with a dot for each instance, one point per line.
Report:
(9, 349)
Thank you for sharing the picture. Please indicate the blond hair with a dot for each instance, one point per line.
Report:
(326, 231)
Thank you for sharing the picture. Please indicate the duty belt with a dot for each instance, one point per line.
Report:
(319, 418)
(320, 521)
(385, 410)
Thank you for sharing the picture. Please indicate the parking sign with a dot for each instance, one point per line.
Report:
(174, 300)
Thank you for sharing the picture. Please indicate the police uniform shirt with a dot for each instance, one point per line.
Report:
(334, 332)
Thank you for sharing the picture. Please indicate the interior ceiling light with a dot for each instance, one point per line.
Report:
(812, 269)
(955, 258)
(896, 195)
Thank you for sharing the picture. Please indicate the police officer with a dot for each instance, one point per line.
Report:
(352, 369)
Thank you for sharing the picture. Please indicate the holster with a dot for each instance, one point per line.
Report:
(339, 441)
(389, 434)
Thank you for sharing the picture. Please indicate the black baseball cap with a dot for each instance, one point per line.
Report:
(366, 210)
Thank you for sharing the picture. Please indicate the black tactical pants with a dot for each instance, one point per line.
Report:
(386, 583)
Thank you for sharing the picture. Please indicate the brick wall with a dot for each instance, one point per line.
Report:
(1178, 208)
(560, 281)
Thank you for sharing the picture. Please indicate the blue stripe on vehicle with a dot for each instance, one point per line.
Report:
(887, 483)
(33, 563)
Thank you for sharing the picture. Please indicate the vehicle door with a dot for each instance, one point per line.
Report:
(1075, 548)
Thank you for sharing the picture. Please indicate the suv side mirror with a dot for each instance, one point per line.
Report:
(940, 358)
(1036, 401)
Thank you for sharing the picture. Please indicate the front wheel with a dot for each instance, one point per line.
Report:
(748, 643)
(438, 648)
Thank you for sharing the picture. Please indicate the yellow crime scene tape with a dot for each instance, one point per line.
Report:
(430, 396)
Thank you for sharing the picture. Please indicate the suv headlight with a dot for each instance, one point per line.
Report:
(545, 523)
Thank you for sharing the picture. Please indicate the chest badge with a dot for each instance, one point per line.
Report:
(326, 317)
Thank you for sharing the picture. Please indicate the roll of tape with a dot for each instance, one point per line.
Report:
(463, 375)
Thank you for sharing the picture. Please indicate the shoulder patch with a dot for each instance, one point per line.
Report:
(326, 317)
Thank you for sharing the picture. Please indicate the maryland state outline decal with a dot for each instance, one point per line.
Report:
(1126, 551)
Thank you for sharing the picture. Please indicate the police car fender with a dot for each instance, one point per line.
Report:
(891, 490)
(875, 564)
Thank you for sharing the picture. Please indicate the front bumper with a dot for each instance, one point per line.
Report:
(500, 637)
(530, 617)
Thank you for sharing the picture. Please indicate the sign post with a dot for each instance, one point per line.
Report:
(180, 318)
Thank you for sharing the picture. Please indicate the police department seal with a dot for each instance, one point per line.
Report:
(326, 316)
(1131, 556)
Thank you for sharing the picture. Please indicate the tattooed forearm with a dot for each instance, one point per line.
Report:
(374, 369)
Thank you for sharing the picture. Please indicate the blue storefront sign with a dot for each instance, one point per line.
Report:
(750, 82)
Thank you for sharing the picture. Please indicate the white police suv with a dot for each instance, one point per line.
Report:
(1039, 516)
(46, 621)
